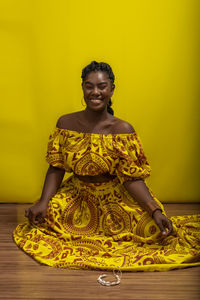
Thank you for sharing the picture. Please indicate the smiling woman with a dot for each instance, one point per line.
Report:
(97, 90)
(98, 85)
(104, 216)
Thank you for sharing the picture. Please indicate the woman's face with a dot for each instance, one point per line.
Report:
(97, 90)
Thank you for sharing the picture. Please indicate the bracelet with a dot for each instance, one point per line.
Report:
(152, 206)
(110, 283)
(156, 210)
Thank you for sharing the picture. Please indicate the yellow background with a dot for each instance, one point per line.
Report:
(152, 48)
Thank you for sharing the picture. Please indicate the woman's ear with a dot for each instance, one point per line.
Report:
(113, 87)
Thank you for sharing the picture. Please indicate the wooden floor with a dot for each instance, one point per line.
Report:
(23, 278)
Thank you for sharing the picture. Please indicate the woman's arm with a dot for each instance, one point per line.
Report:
(139, 191)
(53, 180)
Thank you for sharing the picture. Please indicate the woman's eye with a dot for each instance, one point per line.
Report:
(100, 87)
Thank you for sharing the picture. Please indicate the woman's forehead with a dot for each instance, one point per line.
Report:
(97, 76)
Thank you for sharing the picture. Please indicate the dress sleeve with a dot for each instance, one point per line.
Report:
(132, 162)
(54, 154)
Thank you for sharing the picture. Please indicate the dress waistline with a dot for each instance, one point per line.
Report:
(96, 179)
(92, 186)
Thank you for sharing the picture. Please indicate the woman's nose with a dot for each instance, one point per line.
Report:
(95, 91)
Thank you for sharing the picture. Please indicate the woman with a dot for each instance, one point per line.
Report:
(104, 215)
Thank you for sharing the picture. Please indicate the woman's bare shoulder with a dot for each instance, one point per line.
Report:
(122, 127)
(68, 121)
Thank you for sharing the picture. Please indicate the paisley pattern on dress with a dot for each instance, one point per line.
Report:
(99, 225)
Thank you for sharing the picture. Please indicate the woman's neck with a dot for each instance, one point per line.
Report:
(95, 116)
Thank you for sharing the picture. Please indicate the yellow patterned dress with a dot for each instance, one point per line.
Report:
(99, 225)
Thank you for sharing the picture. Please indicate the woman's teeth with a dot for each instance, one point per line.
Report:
(96, 101)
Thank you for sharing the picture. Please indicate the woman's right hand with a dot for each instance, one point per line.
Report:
(37, 212)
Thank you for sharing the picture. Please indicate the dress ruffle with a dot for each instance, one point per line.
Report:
(94, 154)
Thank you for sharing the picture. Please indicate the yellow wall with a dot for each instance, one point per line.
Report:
(152, 48)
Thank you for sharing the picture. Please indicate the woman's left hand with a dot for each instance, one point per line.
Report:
(163, 222)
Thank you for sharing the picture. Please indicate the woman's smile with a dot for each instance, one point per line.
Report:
(96, 101)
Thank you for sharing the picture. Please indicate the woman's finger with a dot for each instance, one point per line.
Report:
(40, 218)
(169, 226)
(44, 213)
(34, 220)
(31, 217)
(162, 229)
(26, 212)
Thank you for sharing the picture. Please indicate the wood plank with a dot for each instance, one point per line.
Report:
(23, 278)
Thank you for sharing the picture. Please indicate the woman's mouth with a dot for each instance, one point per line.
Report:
(96, 101)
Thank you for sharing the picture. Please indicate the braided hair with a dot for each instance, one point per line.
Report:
(103, 67)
